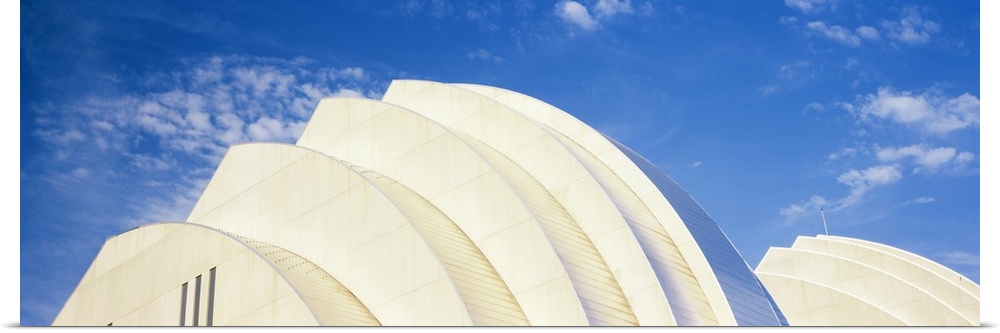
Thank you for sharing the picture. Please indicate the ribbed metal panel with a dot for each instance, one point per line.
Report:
(599, 292)
(496, 130)
(331, 302)
(485, 294)
(575, 187)
(687, 300)
(464, 167)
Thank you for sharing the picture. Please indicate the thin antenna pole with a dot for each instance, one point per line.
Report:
(825, 230)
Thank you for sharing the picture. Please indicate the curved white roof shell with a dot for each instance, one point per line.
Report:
(829, 280)
(178, 262)
(441, 204)
(691, 237)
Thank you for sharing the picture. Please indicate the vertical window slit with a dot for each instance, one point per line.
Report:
(197, 298)
(184, 300)
(211, 296)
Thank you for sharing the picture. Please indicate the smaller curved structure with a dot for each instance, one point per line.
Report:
(199, 276)
(826, 281)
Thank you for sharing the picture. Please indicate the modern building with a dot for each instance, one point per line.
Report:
(839, 281)
(441, 204)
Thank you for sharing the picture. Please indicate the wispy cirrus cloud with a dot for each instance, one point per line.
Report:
(859, 183)
(797, 211)
(435, 8)
(930, 112)
(911, 28)
(890, 162)
(605, 8)
(812, 6)
(959, 258)
(843, 35)
(917, 201)
(485, 14)
(789, 77)
(481, 54)
(180, 127)
(843, 152)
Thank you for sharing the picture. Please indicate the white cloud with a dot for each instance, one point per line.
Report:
(959, 258)
(579, 16)
(862, 181)
(435, 8)
(769, 89)
(911, 27)
(266, 129)
(481, 54)
(851, 63)
(842, 153)
(62, 137)
(484, 14)
(172, 207)
(574, 13)
(349, 74)
(613, 7)
(146, 162)
(231, 127)
(347, 92)
(917, 201)
(928, 159)
(795, 212)
(81, 173)
(814, 107)
(929, 111)
(876, 175)
(859, 181)
(811, 6)
(790, 76)
(923, 159)
(264, 79)
(867, 32)
(175, 127)
(837, 33)
(795, 71)
(695, 164)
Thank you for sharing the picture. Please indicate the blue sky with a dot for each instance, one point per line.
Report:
(765, 111)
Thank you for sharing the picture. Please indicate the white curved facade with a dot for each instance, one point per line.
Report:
(828, 281)
(441, 204)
